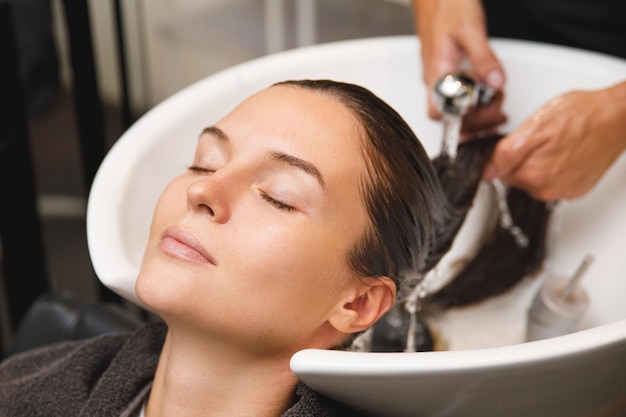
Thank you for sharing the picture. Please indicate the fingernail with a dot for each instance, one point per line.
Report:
(495, 79)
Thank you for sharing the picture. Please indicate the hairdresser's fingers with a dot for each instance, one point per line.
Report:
(483, 60)
(483, 120)
(471, 33)
(537, 157)
(441, 56)
(441, 26)
(515, 148)
(566, 146)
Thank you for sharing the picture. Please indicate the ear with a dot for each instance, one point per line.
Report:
(364, 305)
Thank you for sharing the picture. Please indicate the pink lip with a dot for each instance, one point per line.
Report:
(184, 245)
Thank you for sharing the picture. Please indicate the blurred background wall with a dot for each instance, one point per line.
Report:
(170, 44)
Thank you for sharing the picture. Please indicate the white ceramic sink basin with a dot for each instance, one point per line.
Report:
(488, 371)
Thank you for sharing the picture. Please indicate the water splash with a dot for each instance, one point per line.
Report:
(506, 220)
(413, 305)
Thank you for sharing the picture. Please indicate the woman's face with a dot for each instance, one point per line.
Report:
(250, 243)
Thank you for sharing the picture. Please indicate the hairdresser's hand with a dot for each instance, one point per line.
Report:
(566, 146)
(450, 32)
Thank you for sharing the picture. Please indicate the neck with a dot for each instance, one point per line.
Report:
(196, 378)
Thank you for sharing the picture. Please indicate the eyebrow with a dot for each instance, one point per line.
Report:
(215, 131)
(301, 164)
(291, 160)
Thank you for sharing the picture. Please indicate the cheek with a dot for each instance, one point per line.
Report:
(171, 203)
(306, 254)
(291, 286)
(289, 261)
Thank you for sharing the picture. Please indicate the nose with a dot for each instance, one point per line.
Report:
(210, 195)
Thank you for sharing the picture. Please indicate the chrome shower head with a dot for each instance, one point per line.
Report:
(455, 94)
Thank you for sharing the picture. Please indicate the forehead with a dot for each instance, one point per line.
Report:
(309, 124)
(296, 109)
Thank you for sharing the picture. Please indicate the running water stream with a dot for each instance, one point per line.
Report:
(402, 328)
(451, 129)
(451, 135)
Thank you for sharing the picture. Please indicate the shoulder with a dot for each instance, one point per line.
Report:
(63, 375)
(81, 353)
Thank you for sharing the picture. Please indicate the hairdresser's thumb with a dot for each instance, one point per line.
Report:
(486, 65)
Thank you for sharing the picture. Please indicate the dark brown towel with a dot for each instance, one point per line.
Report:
(90, 378)
(102, 376)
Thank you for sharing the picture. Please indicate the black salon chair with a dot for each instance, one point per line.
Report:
(59, 315)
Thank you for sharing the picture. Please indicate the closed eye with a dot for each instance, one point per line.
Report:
(200, 170)
(278, 204)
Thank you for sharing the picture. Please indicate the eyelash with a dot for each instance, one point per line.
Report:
(195, 168)
(276, 203)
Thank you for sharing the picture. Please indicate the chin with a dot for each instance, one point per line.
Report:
(155, 290)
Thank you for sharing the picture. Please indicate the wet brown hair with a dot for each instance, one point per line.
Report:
(402, 194)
